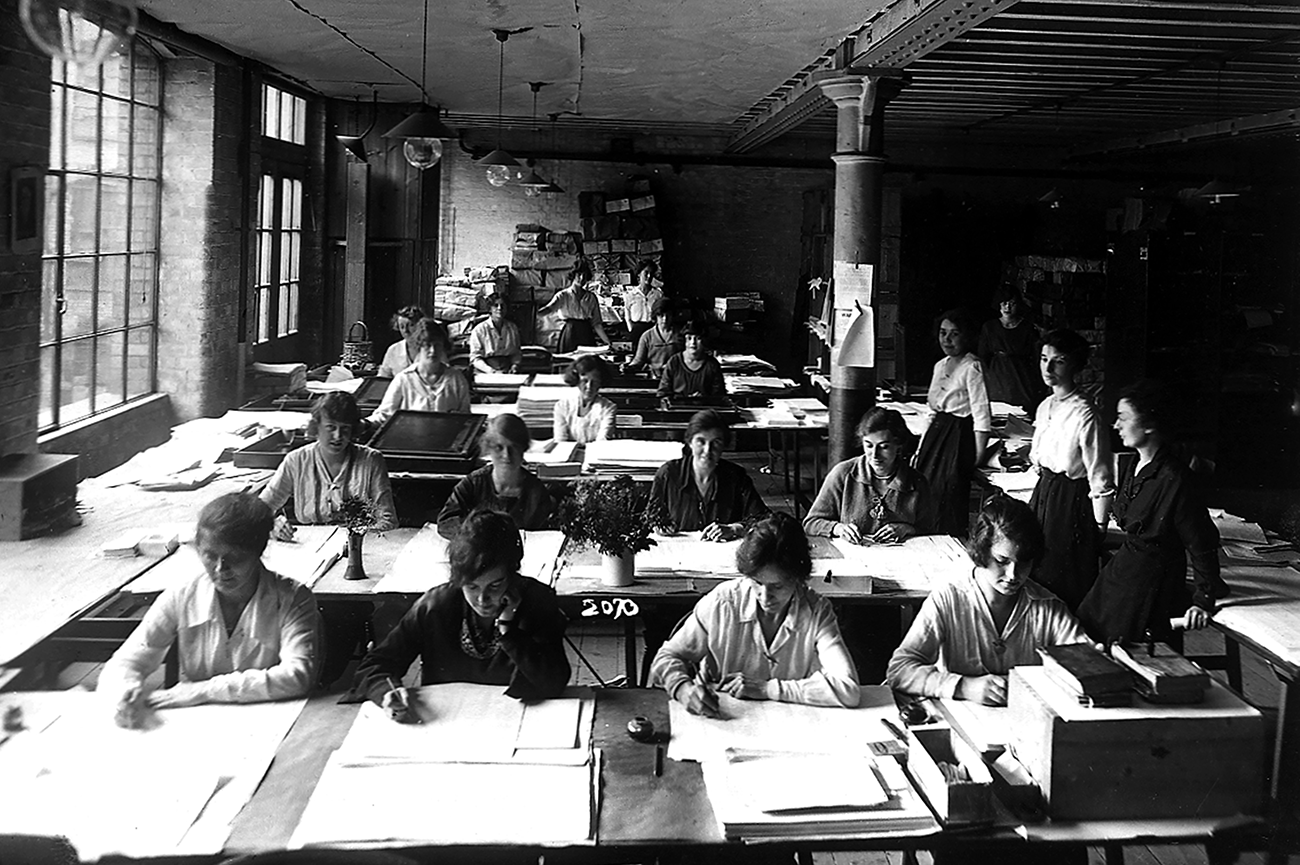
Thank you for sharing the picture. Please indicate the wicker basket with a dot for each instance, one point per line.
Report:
(356, 352)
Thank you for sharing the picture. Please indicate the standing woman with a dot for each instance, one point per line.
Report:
(402, 353)
(1007, 348)
(639, 300)
(694, 372)
(1158, 508)
(1075, 483)
(582, 415)
(502, 485)
(429, 384)
(580, 310)
(959, 432)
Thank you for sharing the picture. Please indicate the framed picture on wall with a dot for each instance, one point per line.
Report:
(26, 200)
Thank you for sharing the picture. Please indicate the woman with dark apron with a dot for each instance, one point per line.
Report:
(1157, 506)
(580, 310)
(1008, 348)
(959, 431)
(1071, 450)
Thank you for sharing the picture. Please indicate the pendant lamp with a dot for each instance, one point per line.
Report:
(424, 131)
(532, 182)
(356, 144)
(501, 166)
(81, 32)
(554, 188)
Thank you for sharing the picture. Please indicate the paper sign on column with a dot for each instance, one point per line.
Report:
(852, 282)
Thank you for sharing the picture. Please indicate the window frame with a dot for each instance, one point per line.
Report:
(282, 161)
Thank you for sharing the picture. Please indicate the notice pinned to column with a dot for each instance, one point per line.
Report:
(852, 284)
(855, 337)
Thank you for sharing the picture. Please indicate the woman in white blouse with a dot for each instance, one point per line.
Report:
(582, 415)
(959, 431)
(402, 353)
(580, 309)
(1071, 450)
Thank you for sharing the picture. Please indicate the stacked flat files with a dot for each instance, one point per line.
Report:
(536, 405)
(312, 552)
(550, 459)
(628, 456)
(424, 562)
(476, 756)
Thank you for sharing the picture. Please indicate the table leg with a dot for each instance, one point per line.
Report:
(798, 476)
(629, 652)
(1286, 769)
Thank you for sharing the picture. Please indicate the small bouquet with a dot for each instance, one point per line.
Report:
(611, 516)
(356, 514)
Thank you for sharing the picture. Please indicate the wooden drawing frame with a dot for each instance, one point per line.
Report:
(26, 203)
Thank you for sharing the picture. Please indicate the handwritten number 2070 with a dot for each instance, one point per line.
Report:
(615, 608)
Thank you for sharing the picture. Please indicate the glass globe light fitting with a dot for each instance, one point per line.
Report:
(82, 32)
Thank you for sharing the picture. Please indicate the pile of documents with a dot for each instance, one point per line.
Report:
(481, 768)
(500, 379)
(1087, 675)
(423, 562)
(918, 564)
(536, 405)
(757, 384)
(312, 552)
(628, 456)
(551, 459)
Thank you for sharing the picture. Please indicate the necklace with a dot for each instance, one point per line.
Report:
(474, 640)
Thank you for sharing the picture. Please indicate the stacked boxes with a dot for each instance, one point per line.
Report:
(1066, 292)
(541, 259)
(738, 306)
(619, 231)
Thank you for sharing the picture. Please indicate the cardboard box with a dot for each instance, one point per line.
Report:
(645, 202)
(617, 205)
(595, 247)
(621, 245)
(1139, 762)
(648, 246)
(591, 204)
(37, 493)
(956, 802)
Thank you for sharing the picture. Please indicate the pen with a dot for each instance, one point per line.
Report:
(396, 689)
(893, 728)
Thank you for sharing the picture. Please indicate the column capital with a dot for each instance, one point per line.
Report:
(860, 99)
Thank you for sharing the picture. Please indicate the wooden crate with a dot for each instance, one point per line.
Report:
(37, 493)
(957, 803)
(1140, 762)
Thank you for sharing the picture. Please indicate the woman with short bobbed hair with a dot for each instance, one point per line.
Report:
(488, 625)
(763, 636)
(404, 352)
(970, 632)
(243, 633)
(877, 497)
(429, 384)
(693, 373)
(334, 467)
(503, 484)
(659, 342)
(582, 415)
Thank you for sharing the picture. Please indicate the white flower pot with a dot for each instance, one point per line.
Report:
(619, 570)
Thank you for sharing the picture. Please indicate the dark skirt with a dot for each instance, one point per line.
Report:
(947, 460)
(576, 332)
(1141, 588)
(1069, 565)
(1013, 379)
(638, 328)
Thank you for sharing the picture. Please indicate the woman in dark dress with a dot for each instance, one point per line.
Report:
(694, 372)
(501, 485)
(1157, 506)
(1008, 348)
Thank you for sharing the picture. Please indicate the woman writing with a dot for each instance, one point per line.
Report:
(694, 372)
(489, 625)
(580, 310)
(877, 497)
(959, 431)
(703, 491)
(502, 485)
(429, 384)
(763, 636)
(243, 633)
(582, 415)
(1075, 483)
(402, 353)
(1157, 506)
(1007, 347)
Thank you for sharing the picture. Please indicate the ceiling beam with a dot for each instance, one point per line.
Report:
(902, 32)
(1254, 124)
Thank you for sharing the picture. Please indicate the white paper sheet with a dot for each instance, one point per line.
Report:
(423, 562)
(917, 564)
(785, 782)
(306, 559)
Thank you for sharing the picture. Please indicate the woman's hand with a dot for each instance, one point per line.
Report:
(744, 687)
(988, 690)
(509, 606)
(397, 703)
(699, 699)
(892, 533)
(848, 532)
(721, 531)
(129, 712)
(1195, 618)
(282, 530)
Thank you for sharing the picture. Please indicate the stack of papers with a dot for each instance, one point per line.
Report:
(918, 564)
(550, 379)
(759, 384)
(745, 364)
(500, 379)
(624, 456)
(476, 747)
(312, 552)
(551, 459)
(536, 405)
(423, 562)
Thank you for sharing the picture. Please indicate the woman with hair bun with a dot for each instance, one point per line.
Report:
(404, 352)
(502, 485)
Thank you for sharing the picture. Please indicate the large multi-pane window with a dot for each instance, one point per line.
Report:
(279, 214)
(99, 308)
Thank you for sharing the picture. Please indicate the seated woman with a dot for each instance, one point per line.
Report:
(494, 344)
(701, 490)
(333, 467)
(658, 343)
(243, 633)
(429, 384)
(694, 372)
(583, 415)
(877, 497)
(488, 625)
(1163, 518)
(402, 353)
(763, 636)
(971, 631)
(502, 485)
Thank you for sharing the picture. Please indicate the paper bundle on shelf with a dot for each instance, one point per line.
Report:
(536, 405)
(624, 456)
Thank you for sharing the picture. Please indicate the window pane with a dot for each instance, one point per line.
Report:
(113, 214)
(282, 320)
(79, 292)
(286, 117)
(56, 71)
(263, 314)
(294, 218)
(295, 254)
(83, 130)
(284, 274)
(147, 86)
(266, 194)
(84, 77)
(112, 292)
(263, 258)
(56, 124)
(293, 307)
(115, 145)
(270, 110)
(300, 121)
(109, 370)
(139, 362)
(80, 203)
(117, 74)
(49, 299)
(144, 215)
(77, 373)
(143, 289)
(53, 183)
(144, 156)
(45, 417)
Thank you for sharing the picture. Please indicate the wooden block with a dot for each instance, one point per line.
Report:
(37, 492)
(956, 802)
(1139, 762)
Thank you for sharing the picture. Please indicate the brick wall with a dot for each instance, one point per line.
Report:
(725, 228)
(24, 141)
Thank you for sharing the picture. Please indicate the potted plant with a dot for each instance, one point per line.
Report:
(611, 516)
(358, 516)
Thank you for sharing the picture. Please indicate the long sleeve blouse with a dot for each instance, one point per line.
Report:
(953, 635)
(569, 426)
(678, 379)
(807, 661)
(848, 496)
(498, 348)
(273, 654)
(304, 476)
(409, 390)
(957, 387)
(530, 510)
(732, 499)
(1069, 439)
(529, 657)
(397, 358)
(654, 348)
